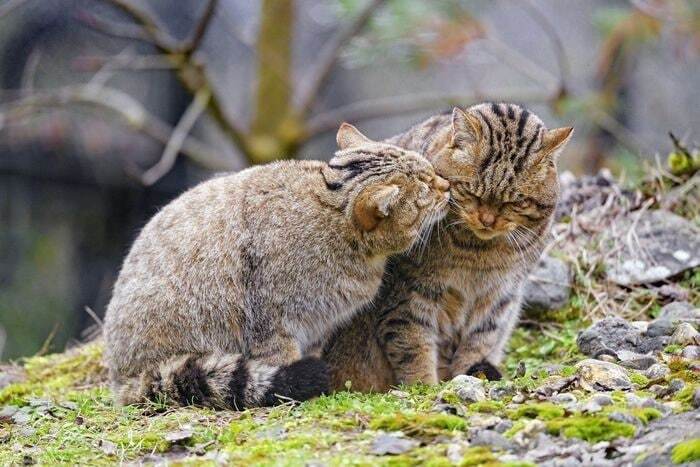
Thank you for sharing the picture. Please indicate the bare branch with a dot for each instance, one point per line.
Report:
(131, 112)
(10, 6)
(113, 28)
(202, 26)
(330, 53)
(88, 63)
(154, 31)
(521, 62)
(548, 28)
(178, 138)
(384, 107)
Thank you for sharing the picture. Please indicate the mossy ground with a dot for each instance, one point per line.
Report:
(66, 416)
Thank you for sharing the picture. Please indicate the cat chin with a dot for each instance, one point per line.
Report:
(483, 234)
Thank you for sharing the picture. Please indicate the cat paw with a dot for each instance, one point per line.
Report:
(484, 369)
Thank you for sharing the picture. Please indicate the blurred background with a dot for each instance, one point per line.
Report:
(111, 108)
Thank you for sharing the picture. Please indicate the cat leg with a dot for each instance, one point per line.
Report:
(481, 348)
(409, 347)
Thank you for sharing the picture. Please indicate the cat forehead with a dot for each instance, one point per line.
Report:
(387, 154)
(506, 120)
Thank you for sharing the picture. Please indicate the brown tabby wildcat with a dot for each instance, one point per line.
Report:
(449, 308)
(229, 289)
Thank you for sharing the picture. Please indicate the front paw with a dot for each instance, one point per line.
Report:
(484, 369)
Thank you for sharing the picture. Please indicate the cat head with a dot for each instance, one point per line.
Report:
(393, 195)
(501, 164)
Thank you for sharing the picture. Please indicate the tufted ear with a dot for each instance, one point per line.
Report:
(349, 137)
(466, 128)
(373, 204)
(554, 140)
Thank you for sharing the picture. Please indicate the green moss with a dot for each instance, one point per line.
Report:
(418, 423)
(543, 411)
(479, 456)
(646, 414)
(639, 379)
(686, 451)
(591, 429)
(685, 396)
(486, 406)
(673, 349)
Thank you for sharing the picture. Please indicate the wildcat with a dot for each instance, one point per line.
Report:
(228, 290)
(450, 307)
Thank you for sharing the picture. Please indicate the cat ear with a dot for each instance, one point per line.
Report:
(374, 204)
(554, 140)
(466, 128)
(349, 137)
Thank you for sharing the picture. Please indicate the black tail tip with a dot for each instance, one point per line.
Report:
(300, 381)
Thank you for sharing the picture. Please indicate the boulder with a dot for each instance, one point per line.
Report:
(549, 285)
(596, 375)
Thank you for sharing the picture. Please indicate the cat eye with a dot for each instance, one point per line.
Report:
(522, 204)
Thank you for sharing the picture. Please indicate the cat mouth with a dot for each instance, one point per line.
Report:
(486, 234)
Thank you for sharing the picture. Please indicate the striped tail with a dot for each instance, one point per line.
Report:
(226, 381)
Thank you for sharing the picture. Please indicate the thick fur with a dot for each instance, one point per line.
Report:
(452, 303)
(229, 288)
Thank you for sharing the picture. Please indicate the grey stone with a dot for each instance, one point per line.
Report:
(602, 399)
(660, 327)
(554, 385)
(657, 371)
(518, 399)
(696, 398)
(676, 385)
(609, 335)
(685, 334)
(635, 360)
(392, 444)
(651, 403)
(549, 284)
(468, 388)
(691, 352)
(501, 391)
(670, 245)
(595, 375)
(505, 425)
(590, 406)
(634, 400)
(624, 418)
(8, 411)
(491, 438)
(680, 312)
(566, 399)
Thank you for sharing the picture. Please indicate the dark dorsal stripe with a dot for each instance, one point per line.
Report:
(522, 121)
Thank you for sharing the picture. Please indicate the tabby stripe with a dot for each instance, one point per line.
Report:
(496, 109)
(522, 157)
(524, 115)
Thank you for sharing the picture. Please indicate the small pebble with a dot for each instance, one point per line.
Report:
(565, 398)
(399, 394)
(634, 400)
(685, 334)
(518, 399)
(591, 407)
(676, 385)
(691, 352)
(696, 398)
(657, 371)
(624, 418)
(660, 327)
(602, 399)
(505, 425)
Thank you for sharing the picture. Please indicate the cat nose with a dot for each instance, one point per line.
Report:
(441, 184)
(487, 218)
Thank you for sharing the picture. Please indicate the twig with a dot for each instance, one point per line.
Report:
(150, 24)
(106, 72)
(329, 56)
(88, 63)
(179, 135)
(9, 6)
(201, 26)
(47, 343)
(364, 110)
(522, 63)
(94, 316)
(113, 28)
(122, 104)
(546, 25)
(29, 72)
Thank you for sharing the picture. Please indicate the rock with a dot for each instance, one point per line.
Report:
(609, 335)
(641, 326)
(181, 436)
(108, 447)
(590, 406)
(518, 399)
(624, 418)
(455, 452)
(531, 429)
(491, 438)
(633, 400)
(671, 245)
(505, 425)
(468, 388)
(676, 385)
(602, 399)
(651, 403)
(595, 375)
(502, 391)
(660, 327)
(685, 334)
(448, 408)
(399, 394)
(554, 385)
(635, 360)
(691, 352)
(392, 444)
(696, 398)
(680, 312)
(484, 421)
(549, 285)
(657, 371)
(565, 399)
(7, 412)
